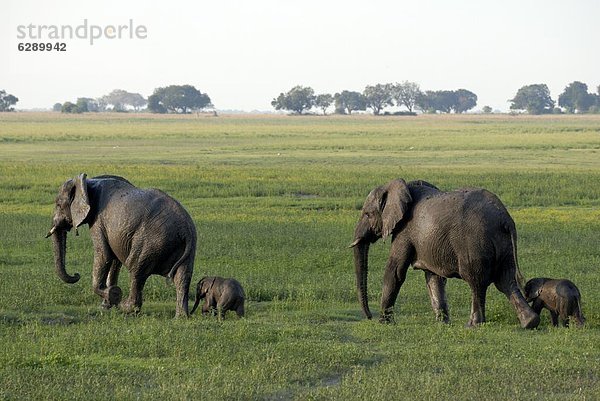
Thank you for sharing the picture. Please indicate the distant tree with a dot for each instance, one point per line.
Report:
(378, 97)
(89, 104)
(425, 102)
(57, 107)
(464, 100)
(323, 101)
(596, 107)
(136, 101)
(119, 99)
(177, 99)
(442, 100)
(533, 98)
(446, 100)
(82, 105)
(575, 97)
(102, 103)
(7, 101)
(298, 99)
(406, 94)
(348, 101)
(155, 105)
(69, 107)
(487, 109)
(116, 99)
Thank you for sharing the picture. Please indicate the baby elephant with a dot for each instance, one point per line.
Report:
(560, 297)
(222, 295)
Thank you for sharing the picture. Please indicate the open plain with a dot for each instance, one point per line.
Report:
(275, 200)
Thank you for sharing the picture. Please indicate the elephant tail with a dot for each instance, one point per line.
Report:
(579, 315)
(513, 239)
(188, 253)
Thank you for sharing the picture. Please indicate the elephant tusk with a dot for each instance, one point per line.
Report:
(356, 241)
(51, 231)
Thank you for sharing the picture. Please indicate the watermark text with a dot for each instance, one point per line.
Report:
(90, 32)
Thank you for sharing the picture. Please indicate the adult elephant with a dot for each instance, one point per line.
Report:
(466, 234)
(144, 229)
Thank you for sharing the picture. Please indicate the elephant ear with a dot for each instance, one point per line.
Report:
(80, 206)
(395, 205)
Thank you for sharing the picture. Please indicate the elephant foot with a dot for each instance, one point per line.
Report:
(130, 308)
(530, 320)
(442, 316)
(181, 313)
(387, 317)
(114, 295)
(473, 322)
(527, 316)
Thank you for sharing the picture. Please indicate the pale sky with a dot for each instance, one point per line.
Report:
(244, 53)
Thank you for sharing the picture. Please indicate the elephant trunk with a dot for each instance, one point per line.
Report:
(361, 262)
(195, 304)
(59, 241)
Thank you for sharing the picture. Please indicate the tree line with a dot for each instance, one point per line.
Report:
(408, 95)
(536, 99)
(169, 99)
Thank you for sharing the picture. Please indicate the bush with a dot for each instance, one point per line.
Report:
(69, 107)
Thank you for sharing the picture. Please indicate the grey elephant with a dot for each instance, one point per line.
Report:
(466, 234)
(560, 297)
(144, 229)
(222, 295)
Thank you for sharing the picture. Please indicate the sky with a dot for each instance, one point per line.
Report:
(244, 53)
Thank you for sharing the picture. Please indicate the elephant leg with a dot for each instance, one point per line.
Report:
(579, 319)
(133, 304)
(209, 306)
(240, 309)
(478, 295)
(436, 285)
(394, 276)
(507, 284)
(113, 273)
(223, 306)
(115, 293)
(104, 261)
(182, 287)
(554, 318)
(537, 306)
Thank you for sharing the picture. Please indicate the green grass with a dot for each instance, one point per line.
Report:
(275, 200)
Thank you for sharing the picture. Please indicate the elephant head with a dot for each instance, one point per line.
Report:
(204, 286)
(533, 288)
(72, 208)
(381, 213)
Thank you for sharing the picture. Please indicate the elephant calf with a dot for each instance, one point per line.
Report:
(222, 295)
(560, 297)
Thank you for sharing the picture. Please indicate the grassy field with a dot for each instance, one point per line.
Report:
(275, 200)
